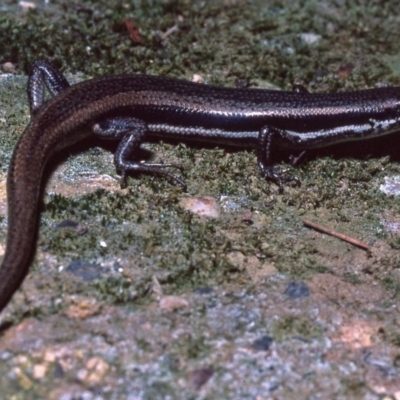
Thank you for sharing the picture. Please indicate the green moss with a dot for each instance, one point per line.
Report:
(257, 43)
(192, 348)
(255, 40)
(354, 389)
(392, 286)
(288, 326)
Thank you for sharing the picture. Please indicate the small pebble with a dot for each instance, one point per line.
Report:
(297, 290)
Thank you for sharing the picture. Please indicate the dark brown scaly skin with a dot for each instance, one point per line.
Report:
(157, 107)
(44, 134)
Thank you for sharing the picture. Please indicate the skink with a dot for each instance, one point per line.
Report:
(136, 108)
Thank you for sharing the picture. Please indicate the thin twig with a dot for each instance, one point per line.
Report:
(169, 32)
(332, 232)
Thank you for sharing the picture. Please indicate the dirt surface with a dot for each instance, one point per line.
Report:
(219, 292)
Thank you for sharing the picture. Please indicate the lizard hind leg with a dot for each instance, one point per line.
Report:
(265, 151)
